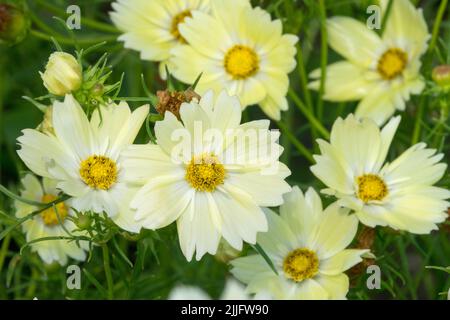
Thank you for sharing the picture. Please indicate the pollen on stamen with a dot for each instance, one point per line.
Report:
(371, 187)
(205, 173)
(301, 264)
(392, 63)
(98, 172)
(241, 62)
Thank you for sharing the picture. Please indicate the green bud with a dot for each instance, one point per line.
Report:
(13, 23)
(83, 221)
(441, 76)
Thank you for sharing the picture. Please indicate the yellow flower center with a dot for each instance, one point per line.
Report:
(392, 63)
(301, 264)
(98, 172)
(241, 62)
(49, 215)
(371, 187)
(205, 173)
(179, 18)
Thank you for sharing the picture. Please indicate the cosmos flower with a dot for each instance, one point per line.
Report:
(399, 194)
(46, 224)
(307, 246)
(84, 156)
(238, 48)
(214, 181)
(380, 72)
(152, 27)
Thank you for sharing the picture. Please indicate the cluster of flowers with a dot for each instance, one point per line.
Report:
(245, 60)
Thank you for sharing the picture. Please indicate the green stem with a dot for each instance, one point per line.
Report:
(4, 251)
(417, 123)
(67, 41)
(308, 114)
(85, 21)
(323, 57)
(428, 60)
(297, 144)
(437, 25)
(385, 16)
(107, 266)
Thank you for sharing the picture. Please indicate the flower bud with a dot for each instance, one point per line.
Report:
(83, 221)
(441, 75)
(62, 74)
(13, 24)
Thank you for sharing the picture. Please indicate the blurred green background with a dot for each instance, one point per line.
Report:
(157, 261)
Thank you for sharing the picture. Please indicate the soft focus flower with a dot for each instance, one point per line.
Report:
(399, 194)
(63, 74)
(85, 157)
(209, 173)
(46, 224)
(381, 72)
(307, 247)
(152, 27)
(233, 291)
(172, 100)
(239, 48)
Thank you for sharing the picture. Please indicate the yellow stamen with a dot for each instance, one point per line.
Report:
(241, 62)
(49, 215)
(98, 172)
(205, 173)
(392, 63)
(371, 187)
(301, 264)
(179, 18)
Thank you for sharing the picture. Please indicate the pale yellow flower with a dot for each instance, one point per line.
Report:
(63, 74)
(238, 48)
(152, 27)
(380, 72)
(399, 194)
(210, 186)
(85, 156)
(307, 246)
(46, 224)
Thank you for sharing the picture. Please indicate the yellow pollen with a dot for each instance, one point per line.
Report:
(179, 18)
(392, 63)
(49, 215)
(98, 172)
(301, 264)
(205, 173)
(241, 62)
(371, 187)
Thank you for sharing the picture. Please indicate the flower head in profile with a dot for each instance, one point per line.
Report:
(84, 157)
(48, 222)
(380, 72)
(399, 194)
(238, 48)
(209, 173)
(307, 246)
(152, 27)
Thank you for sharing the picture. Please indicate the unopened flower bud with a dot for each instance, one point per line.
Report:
(441, 75)
(83, 221)
(13, 24)
(62, 74)
(172, 101)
